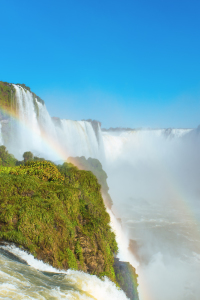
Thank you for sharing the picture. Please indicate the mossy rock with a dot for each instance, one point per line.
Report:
(60, 218)
(7, 98)
(27, 88)
(126, 278)
(93, 165)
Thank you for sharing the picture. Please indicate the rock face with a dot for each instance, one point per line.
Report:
(94, 165)
(57, 215)
(7, 95)
(126, 278)
(116, 129)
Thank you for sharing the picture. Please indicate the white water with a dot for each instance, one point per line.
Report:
(56, 140)
(116, 143)
(1, 138)
(153, 177)
(19, 281)
(154, 184)
(38, 133)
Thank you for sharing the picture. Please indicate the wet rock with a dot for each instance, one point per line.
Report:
(126, 278)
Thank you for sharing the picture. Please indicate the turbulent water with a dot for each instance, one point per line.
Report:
(41, 281)
(154, 183)
(153, 177)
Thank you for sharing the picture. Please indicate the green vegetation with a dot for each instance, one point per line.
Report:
(6, 159)
(8, 101)
(28, 156)
(7, 93)
(28, 89)
(126, 278)
(58, 215)
(93, 165)
(24, 86)
(41, 169)
(35, 97)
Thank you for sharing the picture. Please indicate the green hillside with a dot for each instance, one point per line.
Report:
(58, 217)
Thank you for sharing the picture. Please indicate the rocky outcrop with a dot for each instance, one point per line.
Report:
(126, 278)
(28, 89)
(94, 165)
(58, 215)
(56, 121)
(116, 129)
(7, 99)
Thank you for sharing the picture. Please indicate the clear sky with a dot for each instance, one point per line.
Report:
(130, 63)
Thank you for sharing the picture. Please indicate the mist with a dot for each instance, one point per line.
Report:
(153, 176)
(154, 184)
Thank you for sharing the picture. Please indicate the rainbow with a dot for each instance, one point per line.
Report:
(51, 143)
(181, 205)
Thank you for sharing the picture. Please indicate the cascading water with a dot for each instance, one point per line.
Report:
(78, 137)
(116, 142)
(35, 131)
(153, 177)
(41, 281)
(25, 134)
(55, 139)
(154, 184)
(1, 138)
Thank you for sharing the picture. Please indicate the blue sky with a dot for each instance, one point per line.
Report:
(125, 63)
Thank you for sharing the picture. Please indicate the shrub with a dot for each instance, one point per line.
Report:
(6, 158)
(60, 218)
(27, 156)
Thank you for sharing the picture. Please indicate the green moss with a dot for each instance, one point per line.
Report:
(24, 86)
(79, 253)
(71, 259)
(35, 97)
(60, 218)
(7, 98)
(126, 278)
(93, 165)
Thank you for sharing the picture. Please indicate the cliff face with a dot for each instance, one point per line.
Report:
(7, 96)
(94, 165)
(56, 213)
(58, 216)
(9, 106)
(126, 278)
(96, 125)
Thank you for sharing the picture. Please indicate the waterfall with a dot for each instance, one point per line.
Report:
(1, 138)
(25, 131)
(34, 130)
(55, 139)
(24, 277)
(116, 142)
(79, 138)
(153, 177)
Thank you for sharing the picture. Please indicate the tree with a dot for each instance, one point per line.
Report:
(27, 156)
(6, 159)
